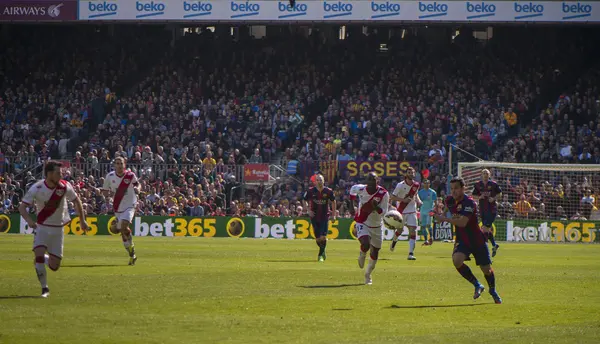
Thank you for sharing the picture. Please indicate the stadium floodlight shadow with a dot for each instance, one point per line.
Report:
(90, 266)
(19, 297)
(330, 286)
(439, 306)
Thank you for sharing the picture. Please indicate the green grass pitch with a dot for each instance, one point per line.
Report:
(192, 290)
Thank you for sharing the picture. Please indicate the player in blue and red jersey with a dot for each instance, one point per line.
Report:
(469, 238)
(487, 192)
(319, 199)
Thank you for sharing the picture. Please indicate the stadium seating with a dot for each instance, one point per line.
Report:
(189, 113)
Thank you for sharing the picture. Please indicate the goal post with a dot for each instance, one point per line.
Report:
(542, 202)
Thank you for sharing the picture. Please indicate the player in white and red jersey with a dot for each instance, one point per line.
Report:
(124, 184)
(406, 192)
(50, 198)
(373, 202)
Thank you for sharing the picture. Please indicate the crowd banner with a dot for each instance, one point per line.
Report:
(341, 11)
(256, 172)
(38, 10)
(517, 230)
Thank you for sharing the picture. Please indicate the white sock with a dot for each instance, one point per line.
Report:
(46, 259)
(411, 245)
(371, 265)
(40, 269)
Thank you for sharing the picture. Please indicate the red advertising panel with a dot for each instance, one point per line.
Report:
(38, 10)
(256, 172)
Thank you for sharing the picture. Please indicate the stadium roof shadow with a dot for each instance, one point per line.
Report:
(438, 306)
(91, 266)
(330, 286)
(290, 261)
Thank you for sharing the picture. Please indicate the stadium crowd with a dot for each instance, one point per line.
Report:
(188, 113)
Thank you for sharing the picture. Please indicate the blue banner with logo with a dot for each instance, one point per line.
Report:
(341, 11)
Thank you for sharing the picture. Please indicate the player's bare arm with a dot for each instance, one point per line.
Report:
(81, 213)
(351, 207)
(493, 199)
(137, 188)
(418, 200)
(376, 207)
(333, 209)
(458, 220)
(25, 215)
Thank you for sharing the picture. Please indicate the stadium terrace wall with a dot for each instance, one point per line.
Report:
(517, 230)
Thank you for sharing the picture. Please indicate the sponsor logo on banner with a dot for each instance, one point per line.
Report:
(100, 9)
(175, 226)
(385, 169)
(575, 10)
(334, 9)
(551, 231)
(380, 9)
(432, 9)
(525, 10)
(5, 224)
(193, 9)
(442, 231)
(256, 172)
(241, 9)
(288, 11)
(147, 9)
(38, 10)
(482, 9)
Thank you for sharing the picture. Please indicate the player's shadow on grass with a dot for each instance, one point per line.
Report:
(330, 286)
(19, 297)
(91, 266)
(437, 306)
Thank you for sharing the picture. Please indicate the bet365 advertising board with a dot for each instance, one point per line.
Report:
(517, 230)
(340, 11)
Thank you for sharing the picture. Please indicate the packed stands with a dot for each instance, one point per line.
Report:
(189, 112)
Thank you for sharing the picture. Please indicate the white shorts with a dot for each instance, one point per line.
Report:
(375, 234)
(126, 215)
(410, 220)
(52, 238)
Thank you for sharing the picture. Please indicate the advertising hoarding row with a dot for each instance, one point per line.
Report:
(309, 11)
(516, 230)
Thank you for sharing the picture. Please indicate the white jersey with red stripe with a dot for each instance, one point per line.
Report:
(365, 214)
(112, 182)
(404, 190)
(39, 194)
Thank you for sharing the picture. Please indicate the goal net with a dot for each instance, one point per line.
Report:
(542, 202)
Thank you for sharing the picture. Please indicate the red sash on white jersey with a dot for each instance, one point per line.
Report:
(411, 193)
(52, 204)
(367, 208)
(120, 193)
